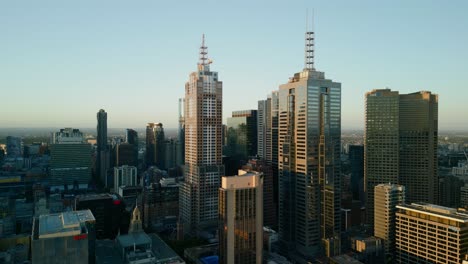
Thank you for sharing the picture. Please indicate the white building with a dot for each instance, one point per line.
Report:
(124, 176)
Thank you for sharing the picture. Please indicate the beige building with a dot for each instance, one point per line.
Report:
(400, 144)
(386, 198)
(203, 148)
(427, 233)
(241, 218)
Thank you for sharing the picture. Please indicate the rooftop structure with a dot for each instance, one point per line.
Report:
(67, 235)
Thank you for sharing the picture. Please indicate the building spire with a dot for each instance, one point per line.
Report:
(203, 53)
(309, 44)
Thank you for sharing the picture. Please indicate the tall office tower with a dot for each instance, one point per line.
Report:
(155, 144)
(428, 233)
(267, 131)
(272, 144)
(171, 148)
(381, 148)
(400, 144)
(103, 154)
(125, 155)
(64, 237)
(203, 148)
(181, 134)
(464, 196)
(309, 163)
(241, 218)
(263, 113)
(270, 216)
(14, 147)
(242, 136)
(386, 198)
(418, 146)
(356, 160)
(131, 137)
(70, 158)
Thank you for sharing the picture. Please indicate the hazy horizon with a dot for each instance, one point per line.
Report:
(63, 61)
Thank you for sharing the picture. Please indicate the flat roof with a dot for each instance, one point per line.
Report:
(163, 253)
(436, 210)
(63, 224)
(139, 238)
(245, 179)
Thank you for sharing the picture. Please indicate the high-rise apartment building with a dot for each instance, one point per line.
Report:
(428, 233)
(203, 148)
(70, 158)
(386, 198)
(103, 153)
(400, 144)
(309, 163)
(155, 144)
(241, 218)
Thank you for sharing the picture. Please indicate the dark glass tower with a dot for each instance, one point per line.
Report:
(356, 159)
(155, 145)
(102, 160)
(242, 138)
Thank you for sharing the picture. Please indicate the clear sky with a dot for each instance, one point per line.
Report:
(61, 61)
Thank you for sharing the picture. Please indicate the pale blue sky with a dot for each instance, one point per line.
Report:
(61, 61)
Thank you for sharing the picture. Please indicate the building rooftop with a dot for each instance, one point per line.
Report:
(129, 240)
(63, 224)
(437, 210)
(96, 196)
(245, 179)
(164, 254)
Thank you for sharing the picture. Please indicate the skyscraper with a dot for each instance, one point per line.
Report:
(267, 131)
(242, 138)
(155, 145)
(203, 148)
(386, 198)
(14, 147)
(131, 137)
(309, 163)
(181, 134)
(356, 160)
(102, 160)
(263, 114)
(400, 145)
(241, 218)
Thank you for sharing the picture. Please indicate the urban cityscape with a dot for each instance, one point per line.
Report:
(284, 180)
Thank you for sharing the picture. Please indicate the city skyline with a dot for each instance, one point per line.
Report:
(114, 60)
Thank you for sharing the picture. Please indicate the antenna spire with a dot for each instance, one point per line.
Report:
(203, 53)
(309, 44)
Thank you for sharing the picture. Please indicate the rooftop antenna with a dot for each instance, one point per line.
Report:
(309, 44)
(203, 53)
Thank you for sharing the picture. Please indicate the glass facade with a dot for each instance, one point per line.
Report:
(309, 164)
